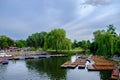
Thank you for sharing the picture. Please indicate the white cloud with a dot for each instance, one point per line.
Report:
(93, 18)
(97, 2)
(79, 18)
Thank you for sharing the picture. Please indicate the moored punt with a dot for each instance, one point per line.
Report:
(114, 77)
(10, 58)
(58, 55)
(65, 65)
(72, 65)
(90, 68)
(104, 68)
(81, 64)
(5, 62)
(85, 57)
(115, 74)
(77, 60)
(105, 63)
(26, 57)
(99, 68)
(31, 57)
(16, 58)
(101, 64)
(69, 64)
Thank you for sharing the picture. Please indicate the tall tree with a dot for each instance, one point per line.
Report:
(36, 40)
(56, 39)
(116, 46)
(75, 44)
(20, 43)
(105, 41)
(6, 42)
(111, 30)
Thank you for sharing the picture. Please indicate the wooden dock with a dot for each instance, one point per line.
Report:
(101, 64)
(69, 64)
(72, 65)
(113, 77)
(81, 66)
(16, 58)
(58, 55)
(90, 68)
(99, 68)
(35, 56)
(81, 63)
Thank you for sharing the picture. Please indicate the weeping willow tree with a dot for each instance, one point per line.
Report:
(56, 40)
(117, 45)
(36, 40)
(106, 41)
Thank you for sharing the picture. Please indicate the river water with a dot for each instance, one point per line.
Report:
(47, 69)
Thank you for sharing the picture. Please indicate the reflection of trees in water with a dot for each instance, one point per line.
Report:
(3, 70)
(105, 75)
(50, 66)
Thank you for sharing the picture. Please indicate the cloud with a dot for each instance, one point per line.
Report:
(80, 18)
(97, 2)
(96, 17)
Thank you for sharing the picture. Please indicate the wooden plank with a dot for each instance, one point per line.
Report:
(81, 66)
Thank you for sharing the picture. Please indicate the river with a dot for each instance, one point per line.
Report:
(47, 69)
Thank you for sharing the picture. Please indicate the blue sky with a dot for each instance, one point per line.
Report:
(80, 18)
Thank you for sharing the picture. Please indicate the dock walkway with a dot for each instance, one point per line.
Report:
(101, 64)
(69, 64)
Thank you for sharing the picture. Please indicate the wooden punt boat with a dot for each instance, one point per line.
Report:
(5, 60)
(115, 74)
(65, 65)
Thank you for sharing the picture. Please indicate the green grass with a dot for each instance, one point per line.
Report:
(69, 52)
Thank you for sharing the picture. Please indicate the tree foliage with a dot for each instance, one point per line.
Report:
(56, 39)
(74, 44)
(6, 42)
(20, 43)
(36, 40)
(111, 30)
(106, 42)
(84, 44)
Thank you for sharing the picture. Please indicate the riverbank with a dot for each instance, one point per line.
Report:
(23, 53)
(66, 52)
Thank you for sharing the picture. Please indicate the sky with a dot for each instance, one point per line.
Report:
(79, 18)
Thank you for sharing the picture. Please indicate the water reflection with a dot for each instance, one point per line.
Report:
(105, 75)
(2, 69)
(50, 66)
(48, 69)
